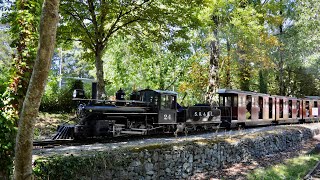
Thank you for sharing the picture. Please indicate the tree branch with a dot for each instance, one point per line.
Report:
(77, 17)
(94, 19)
(113, 28)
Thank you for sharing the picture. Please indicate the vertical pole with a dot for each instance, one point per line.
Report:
(60, 69)
(94, 90)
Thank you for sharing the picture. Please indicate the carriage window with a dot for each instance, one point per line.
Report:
(270, 108)
(281, 108)
(298, 108)
(168, 102)
(227, 101)
(220, 101)
(290, 108)
(315, 104)
(235, 101)
(248, 106)
(260, 103)
(307, 109)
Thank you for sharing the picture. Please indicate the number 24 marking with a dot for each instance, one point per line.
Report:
(167, 117)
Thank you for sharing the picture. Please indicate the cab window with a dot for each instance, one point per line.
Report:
(168, 102)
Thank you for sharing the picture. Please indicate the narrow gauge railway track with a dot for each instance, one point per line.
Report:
(314, 173)
(49, 143)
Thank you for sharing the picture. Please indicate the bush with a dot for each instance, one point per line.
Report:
(57, 100)
(7, 140)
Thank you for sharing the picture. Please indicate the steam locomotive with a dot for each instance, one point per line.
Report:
(146, 112)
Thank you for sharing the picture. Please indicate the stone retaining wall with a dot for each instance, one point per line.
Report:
(170, 161)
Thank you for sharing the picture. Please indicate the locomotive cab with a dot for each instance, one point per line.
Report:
(168, 107)
(163, 102)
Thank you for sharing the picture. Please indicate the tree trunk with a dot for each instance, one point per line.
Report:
(211, 96)
(228, 64)
(263, 85)
(281, 69)
(99, 71)
(244, 73)
(281, 63)
(30, 108)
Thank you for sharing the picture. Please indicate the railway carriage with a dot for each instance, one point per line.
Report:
(245, 108)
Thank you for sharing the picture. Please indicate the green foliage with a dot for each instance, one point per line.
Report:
(263, 86)
(23, 20)
(96, 23)
(5, 59)
(167, 48)
(133, 63)
(57, 100)
(7, 139)
(295, 168)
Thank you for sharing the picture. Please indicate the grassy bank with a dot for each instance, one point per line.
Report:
(46, 124)
(295, 168)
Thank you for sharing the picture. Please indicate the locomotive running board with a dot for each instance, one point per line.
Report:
(133, 132)
(136, 131)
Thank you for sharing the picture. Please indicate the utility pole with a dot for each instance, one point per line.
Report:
(60, 69)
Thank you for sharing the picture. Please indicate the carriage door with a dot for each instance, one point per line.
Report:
(281, 108)
(298, 109)
(315, 108)
(168, 109)
(270, 107)
(290, 109)
(260, 105)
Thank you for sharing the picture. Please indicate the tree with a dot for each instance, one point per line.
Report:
(48, 28)
(5, 59)
(94, 23)
(239, 27)
(23, 21)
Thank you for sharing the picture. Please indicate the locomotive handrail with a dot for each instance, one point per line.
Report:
(101, 100)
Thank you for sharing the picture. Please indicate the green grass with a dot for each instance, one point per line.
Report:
(295, 168)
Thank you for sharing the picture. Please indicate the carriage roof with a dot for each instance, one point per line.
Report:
(161, 91)
(234, 91)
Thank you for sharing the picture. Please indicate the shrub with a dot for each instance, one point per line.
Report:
(57, 100)
(7, 140)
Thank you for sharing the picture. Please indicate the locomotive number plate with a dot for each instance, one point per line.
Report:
(167, 116)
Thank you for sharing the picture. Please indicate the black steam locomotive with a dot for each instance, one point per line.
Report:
(147, 112)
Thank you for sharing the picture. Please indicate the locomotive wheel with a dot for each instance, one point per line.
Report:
(169, 129)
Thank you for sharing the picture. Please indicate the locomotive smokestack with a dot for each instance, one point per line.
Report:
(94, 90)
